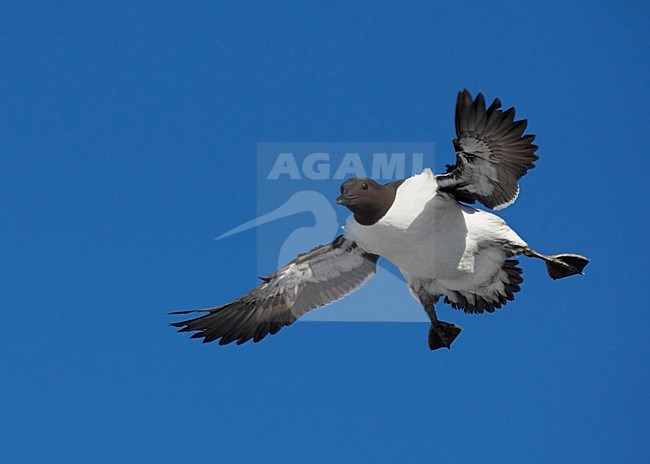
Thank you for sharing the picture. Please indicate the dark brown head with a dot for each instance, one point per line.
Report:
(368, 200)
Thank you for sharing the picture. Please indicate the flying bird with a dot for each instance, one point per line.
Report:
(422, 224)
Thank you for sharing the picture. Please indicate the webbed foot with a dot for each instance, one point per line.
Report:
(442, 335)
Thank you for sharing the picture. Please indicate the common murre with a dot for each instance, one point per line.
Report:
(442, 247)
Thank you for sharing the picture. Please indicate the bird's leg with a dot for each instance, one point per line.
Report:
(559, 266)
(441, 334)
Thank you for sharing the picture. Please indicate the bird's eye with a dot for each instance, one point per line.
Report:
(364, 186)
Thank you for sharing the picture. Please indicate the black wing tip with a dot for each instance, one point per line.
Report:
(504, 121)
(269, 307)
(182, 326)
(479, 101)
(507, 143)
(225, 338)
(465, 99)
(496, 104)
(510, 112)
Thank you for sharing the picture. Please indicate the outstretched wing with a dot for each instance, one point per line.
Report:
(492, 153)
(316, 278)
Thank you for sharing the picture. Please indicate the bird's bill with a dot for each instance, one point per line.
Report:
(346, 199)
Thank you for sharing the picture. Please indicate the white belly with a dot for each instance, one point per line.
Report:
(433, 237)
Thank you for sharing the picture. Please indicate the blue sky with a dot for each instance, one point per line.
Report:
(128, 140)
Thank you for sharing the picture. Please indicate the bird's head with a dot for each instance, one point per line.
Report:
(367, 199)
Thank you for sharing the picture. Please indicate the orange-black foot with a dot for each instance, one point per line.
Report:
(442, 335)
